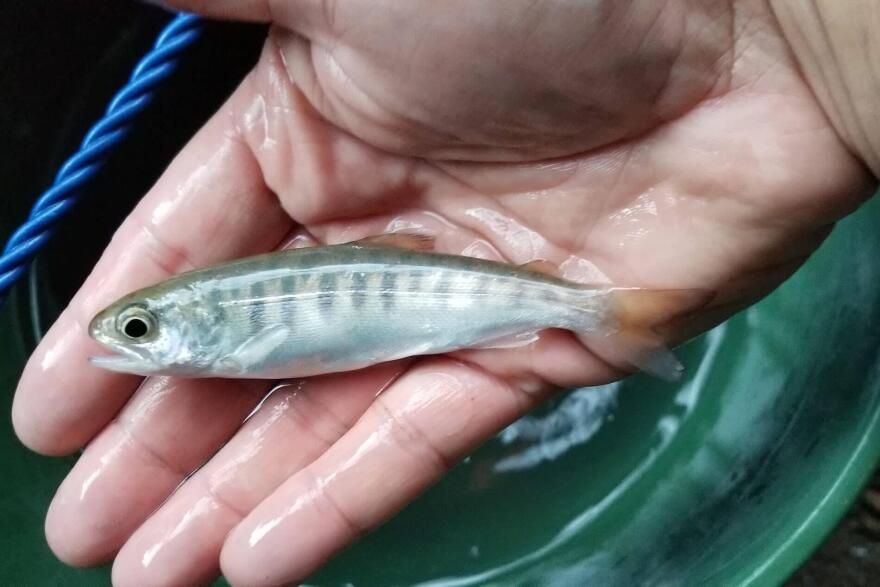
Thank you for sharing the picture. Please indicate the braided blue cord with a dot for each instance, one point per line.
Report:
(106, 134)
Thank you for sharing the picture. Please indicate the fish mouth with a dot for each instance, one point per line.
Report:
(122, 359)
(124, 364)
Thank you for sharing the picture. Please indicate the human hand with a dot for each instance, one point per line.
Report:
(686, 152)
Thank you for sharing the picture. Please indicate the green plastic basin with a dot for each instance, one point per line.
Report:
(732, 477)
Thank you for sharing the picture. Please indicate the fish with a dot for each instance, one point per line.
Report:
(317, 310)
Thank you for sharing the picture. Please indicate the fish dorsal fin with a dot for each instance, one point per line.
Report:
(541, 266)
(412, 241)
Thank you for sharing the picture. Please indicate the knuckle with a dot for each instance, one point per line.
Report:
(410, 438)
(351, 528)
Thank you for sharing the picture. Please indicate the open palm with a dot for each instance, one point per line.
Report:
(645, 144)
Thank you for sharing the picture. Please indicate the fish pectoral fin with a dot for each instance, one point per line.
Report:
(412, 241)
(510, 341)
(256, 349)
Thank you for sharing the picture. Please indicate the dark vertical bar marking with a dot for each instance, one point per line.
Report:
(289, 284)
(257, 291)
(215, 299)
(256, 295)
(443, 285)
(551, 295)
(358, 289)
(389, 289)
(327, 291)
(414, 278)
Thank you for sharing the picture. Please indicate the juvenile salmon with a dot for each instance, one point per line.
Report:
(309, 311)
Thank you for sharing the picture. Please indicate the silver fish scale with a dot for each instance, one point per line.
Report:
(305, 312)
(338, 317)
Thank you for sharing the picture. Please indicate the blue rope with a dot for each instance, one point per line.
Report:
(103, 137)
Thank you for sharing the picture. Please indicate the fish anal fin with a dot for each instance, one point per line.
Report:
(632, 350)
(412, 241)
(509, 341)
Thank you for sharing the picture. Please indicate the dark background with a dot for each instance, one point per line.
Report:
(61, 61)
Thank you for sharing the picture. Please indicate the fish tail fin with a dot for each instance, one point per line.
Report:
(627, 337)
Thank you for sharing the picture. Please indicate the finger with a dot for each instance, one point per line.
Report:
(180, 544)
(210, 205)
(407, 439)
(169, 428)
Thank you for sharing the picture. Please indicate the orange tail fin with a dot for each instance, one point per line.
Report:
(628, 339)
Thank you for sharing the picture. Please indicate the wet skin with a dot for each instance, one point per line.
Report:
(648, 144)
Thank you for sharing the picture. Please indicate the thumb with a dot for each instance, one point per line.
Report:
(251, 10)
(308, 17)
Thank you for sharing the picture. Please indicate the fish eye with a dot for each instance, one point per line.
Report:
(136, 323)
(135, 328)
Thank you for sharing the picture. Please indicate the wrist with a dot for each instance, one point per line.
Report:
(837, 45)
